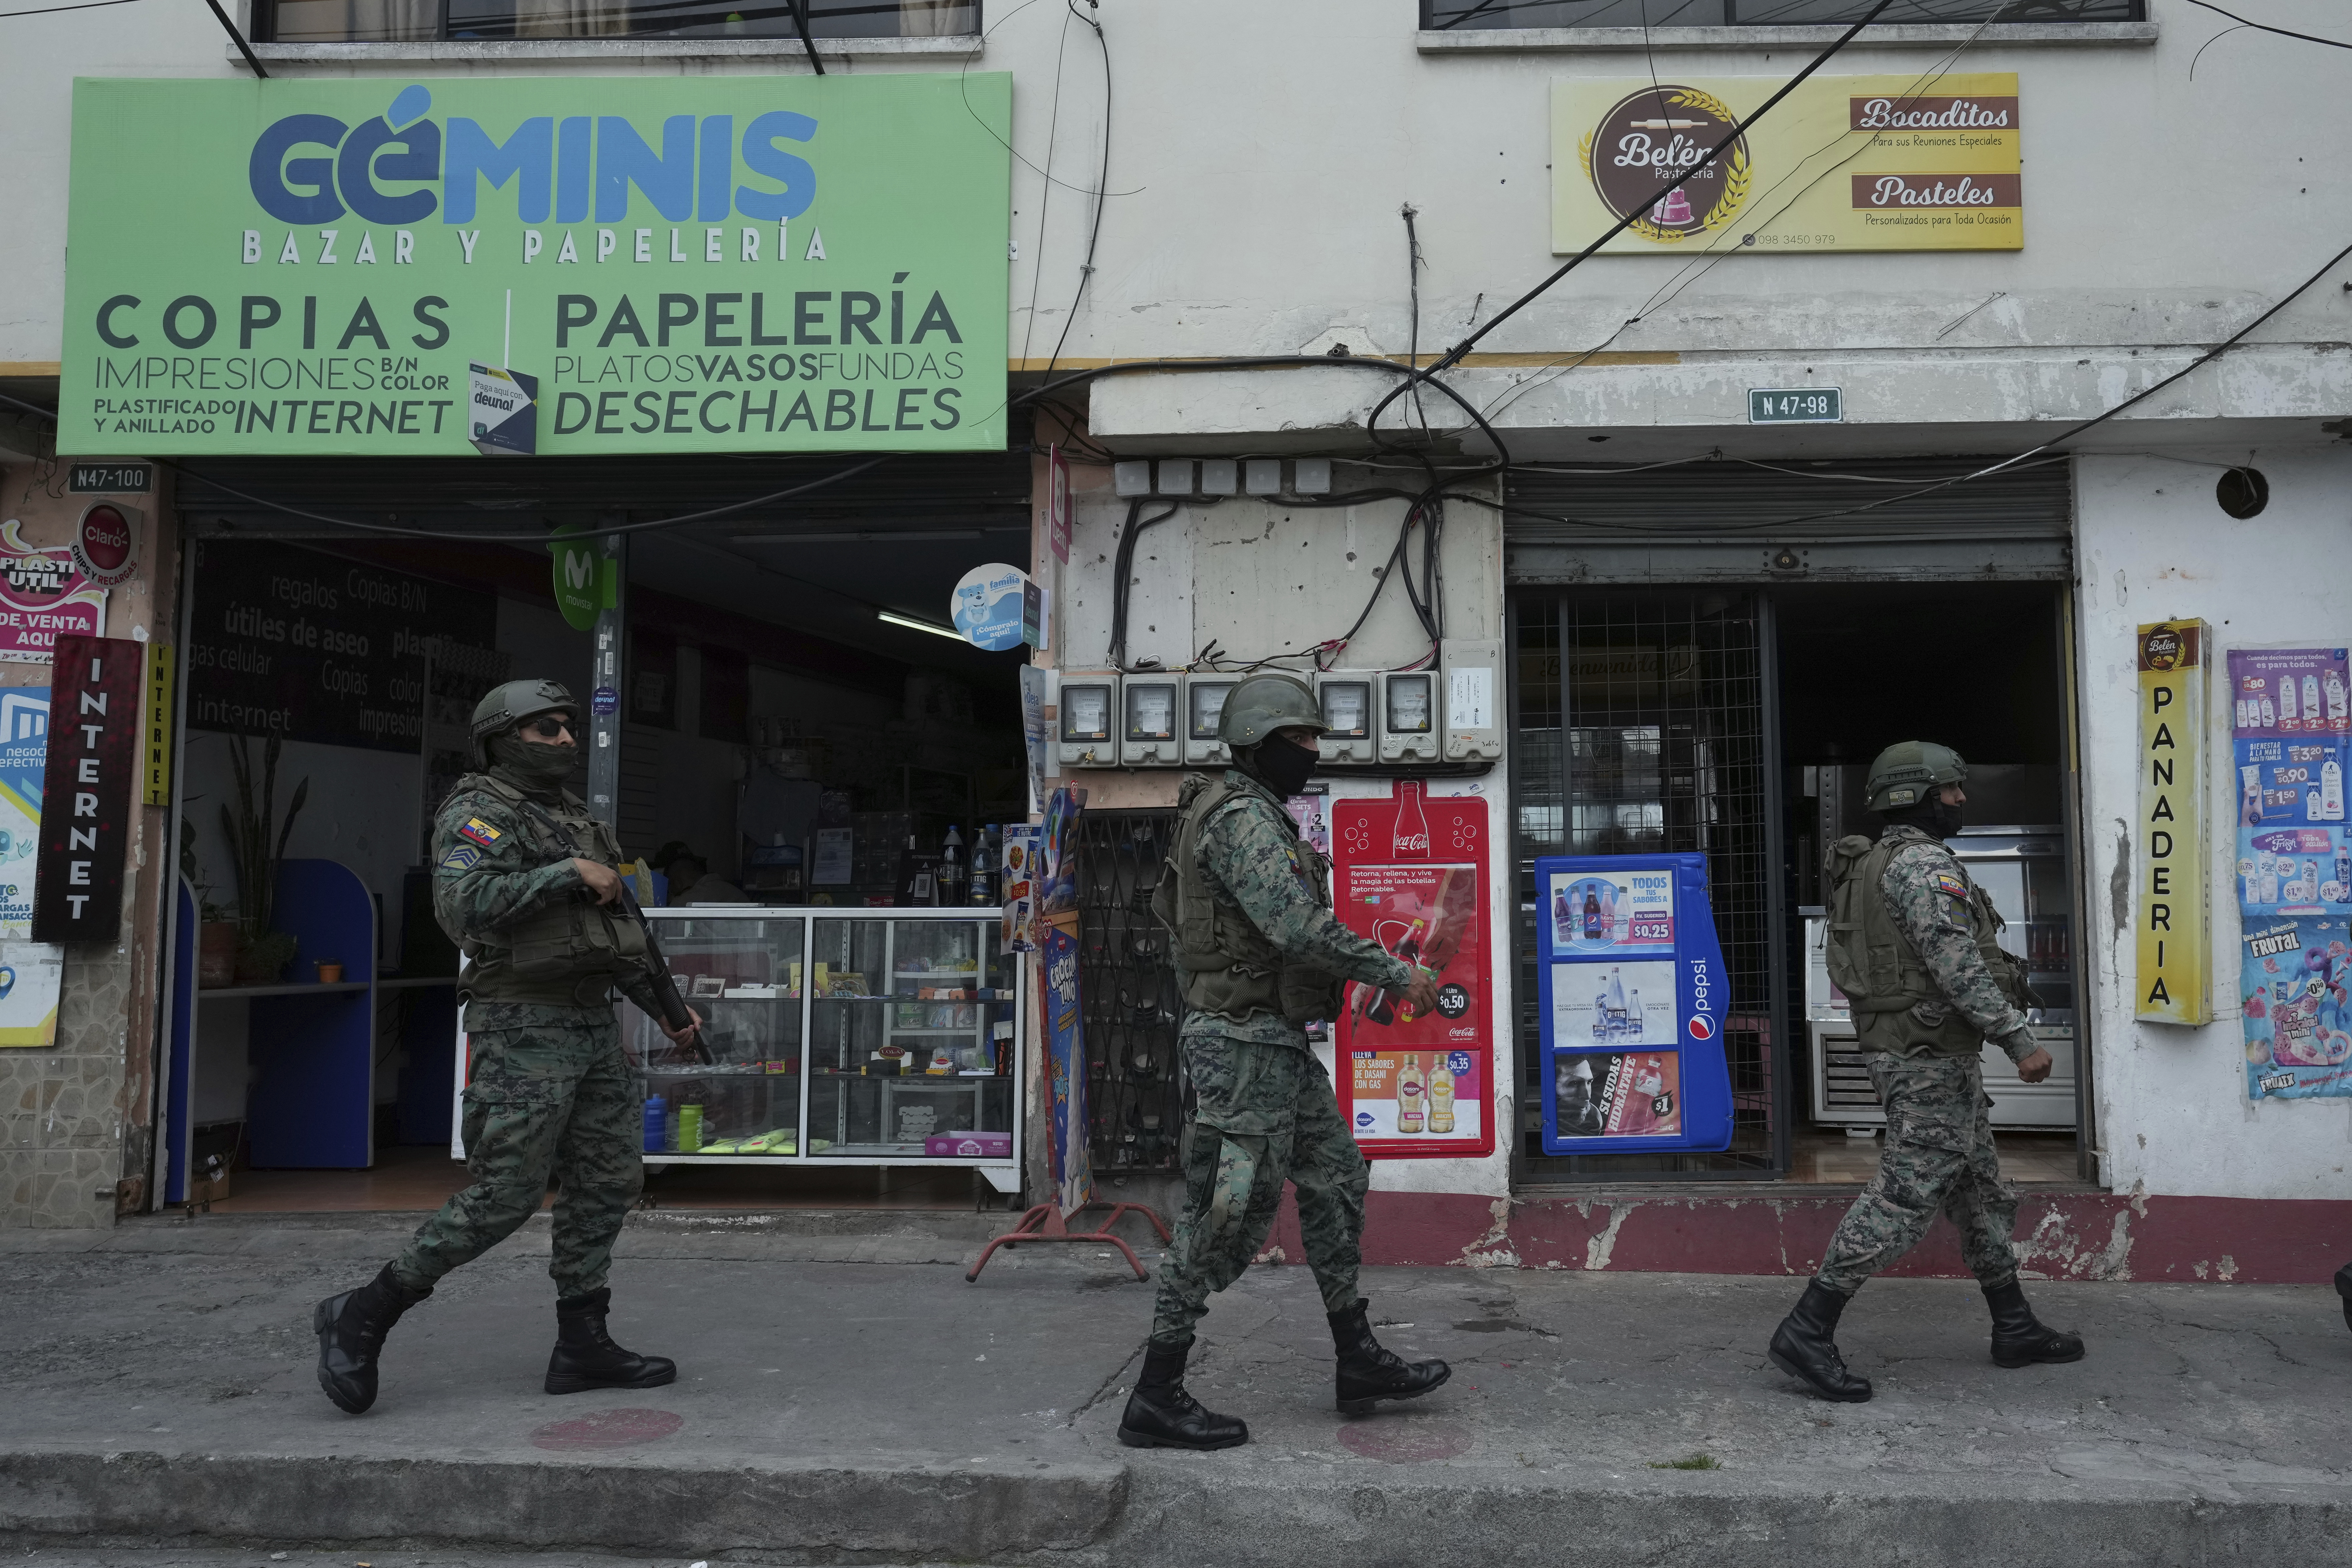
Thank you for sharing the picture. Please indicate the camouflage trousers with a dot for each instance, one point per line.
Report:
(1939, 1154)
(1265, 1115)
(552, 1098)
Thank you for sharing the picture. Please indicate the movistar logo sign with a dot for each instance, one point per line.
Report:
(403, 166)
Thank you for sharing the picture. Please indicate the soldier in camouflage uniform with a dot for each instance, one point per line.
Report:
(524, 882)
(1259, 956)
(1912, 944)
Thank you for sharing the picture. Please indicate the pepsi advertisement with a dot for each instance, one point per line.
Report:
(1633, 992)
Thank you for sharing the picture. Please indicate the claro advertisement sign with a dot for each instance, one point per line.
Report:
(706, 264)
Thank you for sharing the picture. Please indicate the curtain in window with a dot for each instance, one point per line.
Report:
(571, 18)
(355, 21)
(934, 18)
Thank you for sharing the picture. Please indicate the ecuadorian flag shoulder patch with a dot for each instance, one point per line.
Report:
(480, 832)
(1950, 886)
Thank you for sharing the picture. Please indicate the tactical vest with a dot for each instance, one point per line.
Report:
(1896, 1004)
(1224, 964)
(568, 952)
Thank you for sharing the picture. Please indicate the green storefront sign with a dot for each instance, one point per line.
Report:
(697, 264)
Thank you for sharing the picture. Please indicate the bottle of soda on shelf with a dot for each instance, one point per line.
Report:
(951, 868)
(982, 891)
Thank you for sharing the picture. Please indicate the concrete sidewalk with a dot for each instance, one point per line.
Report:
(845, 1396)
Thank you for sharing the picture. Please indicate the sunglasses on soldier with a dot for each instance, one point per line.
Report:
(548, 726)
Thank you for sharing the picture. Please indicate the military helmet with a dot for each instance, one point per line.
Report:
(1906, 770)
(504, 707)
(1265, 703)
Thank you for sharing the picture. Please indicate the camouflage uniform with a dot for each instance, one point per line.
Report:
(550, 1092)
(1266, 1110)
(1929, 1069)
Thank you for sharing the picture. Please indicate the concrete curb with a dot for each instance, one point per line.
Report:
(818, 1512)
(1176, 1518)
(1168, 1511)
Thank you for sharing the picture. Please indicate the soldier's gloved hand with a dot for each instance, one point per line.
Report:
(2035, 1067)
(1422, 995)
(603, 881)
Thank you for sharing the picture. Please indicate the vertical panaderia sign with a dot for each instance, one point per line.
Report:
(96, 726)
(2170, 920)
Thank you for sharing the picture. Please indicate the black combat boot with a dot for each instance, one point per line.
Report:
(1162, 1414)
(2019, 1338)
(1805, 1346)
(585, 1356)
(1369, 1372)
(2344, 1289)
(351, 1328)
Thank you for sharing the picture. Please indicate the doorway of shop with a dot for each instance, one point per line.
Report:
(1740, 723)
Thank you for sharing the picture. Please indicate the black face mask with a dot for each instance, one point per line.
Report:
(533, 765)
(1283, 767)
(1935, 818)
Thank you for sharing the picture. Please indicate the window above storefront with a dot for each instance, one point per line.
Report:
(1488, 15)
(426, 21)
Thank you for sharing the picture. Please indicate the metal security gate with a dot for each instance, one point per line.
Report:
(1126, 990)
(1647, 724)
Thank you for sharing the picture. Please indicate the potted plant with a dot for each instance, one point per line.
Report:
(262, 952)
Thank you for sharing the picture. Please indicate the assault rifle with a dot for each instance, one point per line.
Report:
(674, 1010)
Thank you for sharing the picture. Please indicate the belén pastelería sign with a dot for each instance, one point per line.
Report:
(692, 264)
(1857, 162)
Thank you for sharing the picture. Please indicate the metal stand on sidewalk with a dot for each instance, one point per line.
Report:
(1046, 1222)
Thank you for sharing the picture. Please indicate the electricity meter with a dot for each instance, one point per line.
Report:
(1345, 697)
(1148, 713)
(1472, 720)
(1089, 710)
(1205, 704)
(1408, 701)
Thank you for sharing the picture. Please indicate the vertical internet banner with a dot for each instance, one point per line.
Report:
(2170, 920)
(2289, 735)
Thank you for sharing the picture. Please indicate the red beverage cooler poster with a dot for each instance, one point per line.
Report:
(1410, 873)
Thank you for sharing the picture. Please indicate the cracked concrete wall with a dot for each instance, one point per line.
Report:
(77, 1117)
(2152, 544)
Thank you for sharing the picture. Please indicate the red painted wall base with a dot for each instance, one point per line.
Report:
(2064, 1235)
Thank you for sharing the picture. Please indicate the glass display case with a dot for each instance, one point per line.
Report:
(896, 1038)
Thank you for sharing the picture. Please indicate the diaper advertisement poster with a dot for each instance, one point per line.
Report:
(2290, 722)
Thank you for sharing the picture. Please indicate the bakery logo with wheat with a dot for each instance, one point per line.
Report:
(1654, 137)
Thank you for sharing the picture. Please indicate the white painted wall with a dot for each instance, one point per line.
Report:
(2173, 1113)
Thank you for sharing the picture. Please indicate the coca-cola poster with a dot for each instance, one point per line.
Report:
(43, 596)
(1408, 872)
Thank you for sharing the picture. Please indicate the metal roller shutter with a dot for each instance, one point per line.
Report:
(1732, 521)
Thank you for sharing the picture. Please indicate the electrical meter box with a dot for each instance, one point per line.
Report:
(1086, 730)
(1408, 716)
(1473, 695)
(1150, 712)
(1347, 698)
(1205, 705)
(1633, 1001)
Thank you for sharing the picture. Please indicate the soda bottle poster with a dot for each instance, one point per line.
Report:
(2295, 980)
(2291, 717)
(1426, 915)
(1615, 911)
(1408, 876)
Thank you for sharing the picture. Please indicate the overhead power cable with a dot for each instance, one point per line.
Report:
(2266, 28)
